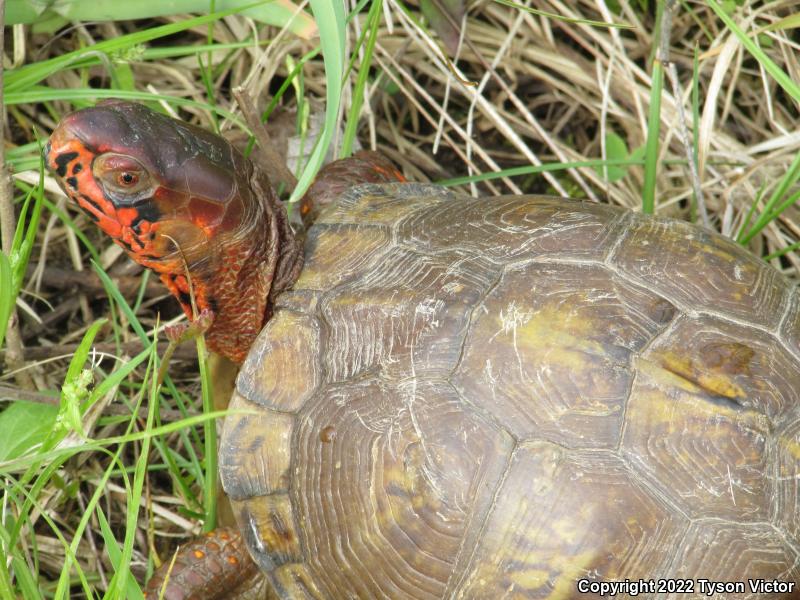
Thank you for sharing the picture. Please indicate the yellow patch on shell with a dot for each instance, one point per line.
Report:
(715, 383)
(289, 372)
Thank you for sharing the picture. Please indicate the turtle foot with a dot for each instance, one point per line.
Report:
(183, 332)
(215, 566)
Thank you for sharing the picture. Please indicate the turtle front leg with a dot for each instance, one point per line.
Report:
(334, 178)
(215, 566)
(183, 332)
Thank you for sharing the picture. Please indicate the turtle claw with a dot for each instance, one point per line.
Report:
(183, 332)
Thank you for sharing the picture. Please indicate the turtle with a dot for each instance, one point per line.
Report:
(445, 396)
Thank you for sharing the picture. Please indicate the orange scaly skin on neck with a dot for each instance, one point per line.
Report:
(208, 220)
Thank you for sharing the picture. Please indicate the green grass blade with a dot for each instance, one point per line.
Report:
(330, 19)
(534, 169)
(113, 292)
(696, 124)
(210, 441)
(26, 581)
(652, 144)
(273, 103)
(16, 80)
(773, 206)
(92, 445)
(279, 13)
(373, 24)
(132, 591)
(783, 79)
(6, 295)
(25, 246)
(783, 251)
(115, 378)
(134, 505)
(44, 94)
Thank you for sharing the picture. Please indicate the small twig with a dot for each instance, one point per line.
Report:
(683, 133)
(7, 226)
(273, 165)
(87, 281)
(183, 352)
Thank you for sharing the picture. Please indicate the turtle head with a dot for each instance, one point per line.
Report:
(156, 185)
(180, 200)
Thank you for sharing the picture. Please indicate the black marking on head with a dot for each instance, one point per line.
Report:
(148, 211)
(92, 203)
(90, 214)
(125, 245)
(63, 160)
(184, 298)
(72, 182)
(77, 168)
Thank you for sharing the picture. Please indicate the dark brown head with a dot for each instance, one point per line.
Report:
(181, 201)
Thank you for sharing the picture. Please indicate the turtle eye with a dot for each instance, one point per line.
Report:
(123, 178)
(127, 179)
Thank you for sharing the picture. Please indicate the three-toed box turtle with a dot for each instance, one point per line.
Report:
(454, 397)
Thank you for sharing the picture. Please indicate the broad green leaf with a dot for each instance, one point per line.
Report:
(616, 149)
(24, 425)
(445, 17)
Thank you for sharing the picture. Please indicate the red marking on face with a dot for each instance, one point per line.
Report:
(182, 284)
(206, 214)
(79, 184)
(127, 215)
(233, 215)
(165, 197)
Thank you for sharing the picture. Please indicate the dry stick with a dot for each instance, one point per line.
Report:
(683, 133)
(274, 166)
(7, 216)
(32, 353)
(7, 226)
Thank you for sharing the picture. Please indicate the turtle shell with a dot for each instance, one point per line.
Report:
(488, 398)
